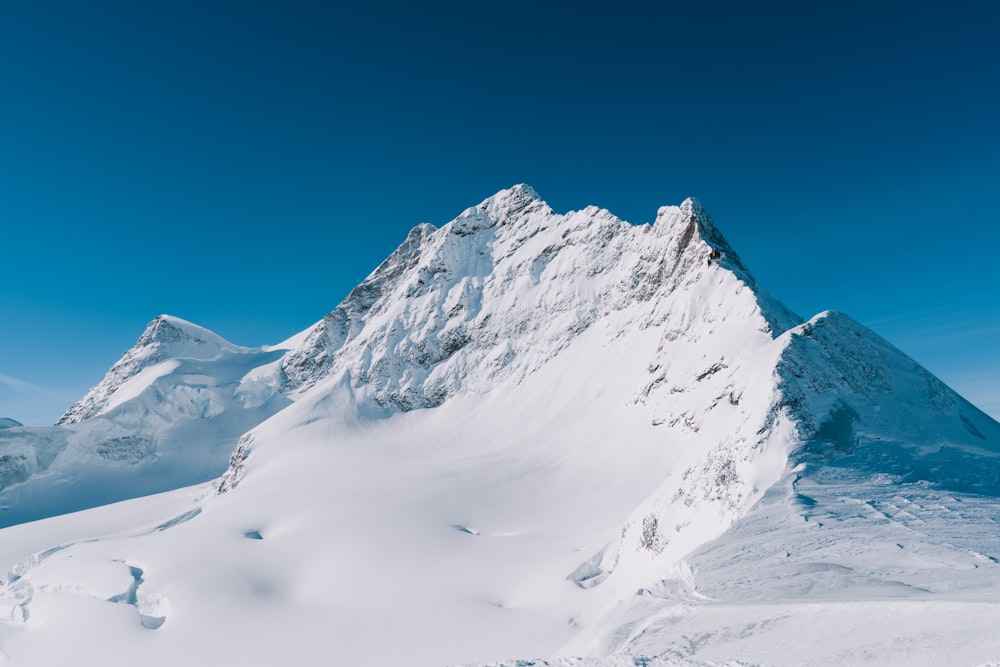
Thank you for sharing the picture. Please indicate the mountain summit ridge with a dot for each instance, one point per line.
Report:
(511, 243)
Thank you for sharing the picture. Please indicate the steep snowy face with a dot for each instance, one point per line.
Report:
(861, 404)
(459, 307)
(166, 337)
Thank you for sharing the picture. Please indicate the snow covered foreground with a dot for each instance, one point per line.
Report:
(527, 438)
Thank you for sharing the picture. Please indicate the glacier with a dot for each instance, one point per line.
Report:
(526, 438)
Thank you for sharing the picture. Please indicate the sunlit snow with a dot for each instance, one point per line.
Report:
(527, 438)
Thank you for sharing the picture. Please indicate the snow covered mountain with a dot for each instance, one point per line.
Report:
(524, 434)
(450, 302)
(165, 416)
(165, 340)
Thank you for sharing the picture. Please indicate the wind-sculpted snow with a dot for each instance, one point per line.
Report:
(527, 438)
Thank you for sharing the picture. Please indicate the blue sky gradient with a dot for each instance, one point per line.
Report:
(244, 164)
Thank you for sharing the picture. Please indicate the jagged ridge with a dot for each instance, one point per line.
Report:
(468, 296)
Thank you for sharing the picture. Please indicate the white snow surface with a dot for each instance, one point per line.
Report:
(527, 438)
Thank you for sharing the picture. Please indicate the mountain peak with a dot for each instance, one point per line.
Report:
(167, 329)
(444, 301)
(520, 191)
(165, 337)
(510, 204)
(688, 211)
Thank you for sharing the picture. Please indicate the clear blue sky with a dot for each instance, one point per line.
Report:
(244, 164)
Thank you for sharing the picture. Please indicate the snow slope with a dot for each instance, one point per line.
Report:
(535, 435)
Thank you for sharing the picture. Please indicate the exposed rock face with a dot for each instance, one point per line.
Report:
(501, 289)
